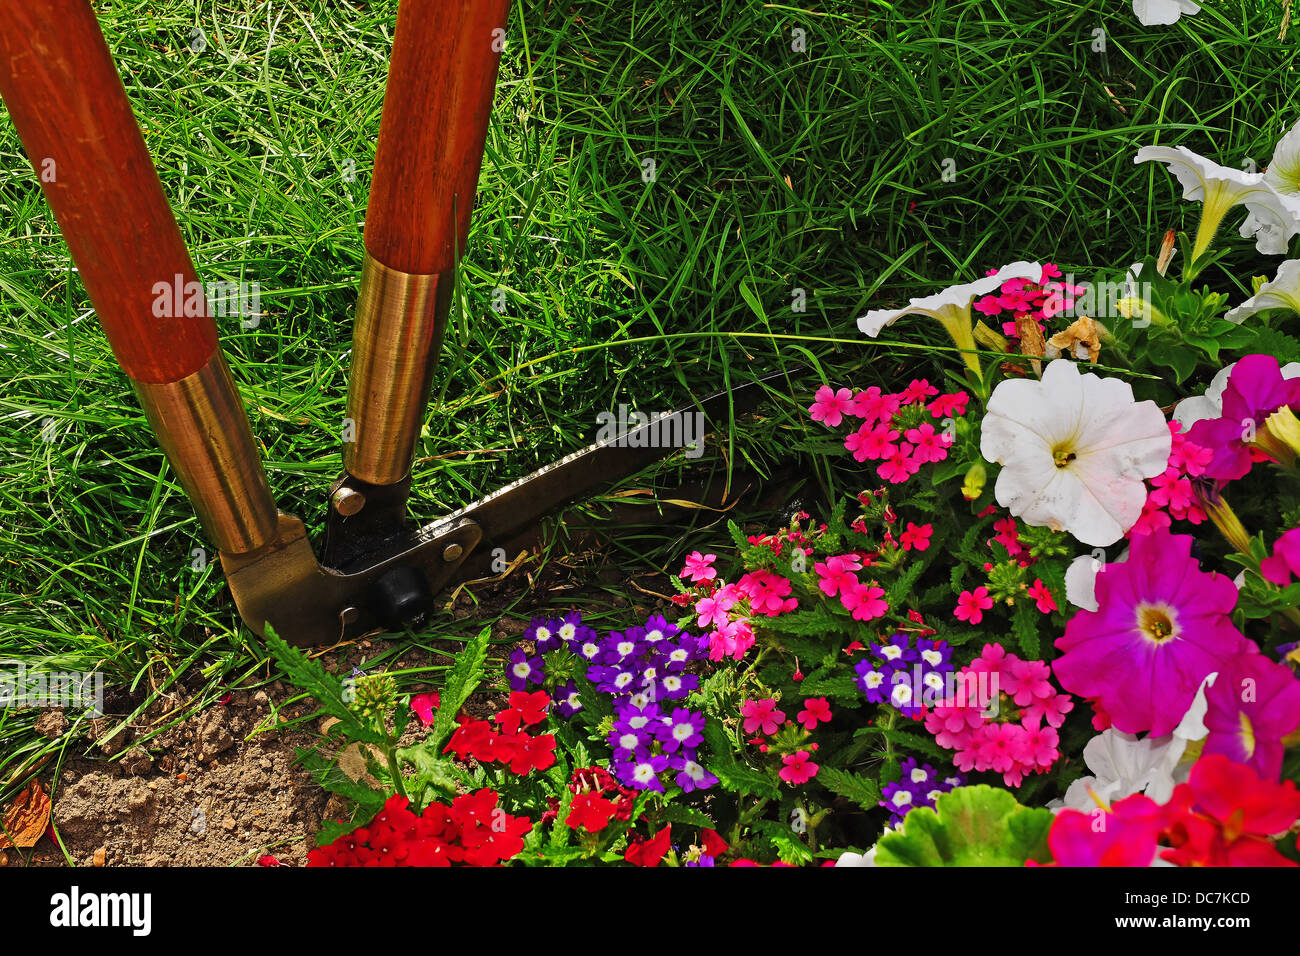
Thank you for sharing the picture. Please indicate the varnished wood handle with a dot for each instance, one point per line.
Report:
(67, 102)
(436, 111)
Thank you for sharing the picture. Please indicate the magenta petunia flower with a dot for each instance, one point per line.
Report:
(1255, 390)
(1285, 561)
(1250, 707)
(1160, 627)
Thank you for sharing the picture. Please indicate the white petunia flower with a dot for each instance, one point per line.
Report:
(1074, 450)
(1081, 579)
(952, 303)
(1152, 13)
(1274, 218)
(1125, 764)
(1283, 172)
(1210, 405)
(849, 858)
(1192, 726)
(951, 309)
(1270, 228)
(1283, 292)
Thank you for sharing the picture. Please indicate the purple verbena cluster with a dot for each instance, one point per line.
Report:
(919, 786)
(906, 677)
(644, 670)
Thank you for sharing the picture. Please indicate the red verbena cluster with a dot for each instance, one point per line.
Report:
(598, 798)
(508, 742)
(472, 831)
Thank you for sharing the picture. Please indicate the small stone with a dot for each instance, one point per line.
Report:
(100, 857)
(228, 824)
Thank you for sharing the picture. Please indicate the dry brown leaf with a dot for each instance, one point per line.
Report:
(26, 819)
(1031, 340)
(1081, 340)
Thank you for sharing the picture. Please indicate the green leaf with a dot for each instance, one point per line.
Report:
(1180, 358)
(788, 845)
(687, 815)
(431, 770)
(973, 826)
(861, 790)
(745, 780)
(466, 674)
(1024, 625)
(310, 676)
(328, 774)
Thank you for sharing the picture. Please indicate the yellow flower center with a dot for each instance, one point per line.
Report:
(1063, 455)
(1156, 622)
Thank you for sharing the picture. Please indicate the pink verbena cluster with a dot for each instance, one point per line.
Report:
(894, 431)
(1044, 299)
(726, 609)
(837, 577)
(1171, 495)
(1002, 716)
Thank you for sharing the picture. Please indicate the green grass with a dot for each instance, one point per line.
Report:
(775, 170)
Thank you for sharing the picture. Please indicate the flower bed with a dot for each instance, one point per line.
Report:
(1037, 632)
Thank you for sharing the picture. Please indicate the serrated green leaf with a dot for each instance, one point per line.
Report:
(326, 688)
(789, 847)
(464, 677)
(863, 791)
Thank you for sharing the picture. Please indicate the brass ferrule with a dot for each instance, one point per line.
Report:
(399, 326)
(203, 430)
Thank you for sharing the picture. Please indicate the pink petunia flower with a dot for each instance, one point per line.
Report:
(1250, 707)
(1161, 626)
(1285, 560)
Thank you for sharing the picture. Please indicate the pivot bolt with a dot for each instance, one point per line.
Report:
(348, 501)
(452, 552)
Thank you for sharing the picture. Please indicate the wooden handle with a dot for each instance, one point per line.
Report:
(68, 104)
(436, 111)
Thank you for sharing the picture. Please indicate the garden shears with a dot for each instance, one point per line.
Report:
(376, 569)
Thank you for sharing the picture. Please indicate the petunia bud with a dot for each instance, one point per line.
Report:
(973, 484)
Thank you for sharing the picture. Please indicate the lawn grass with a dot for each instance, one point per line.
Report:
(775, 170)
